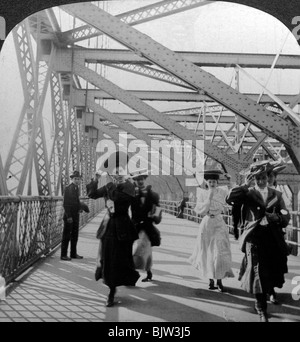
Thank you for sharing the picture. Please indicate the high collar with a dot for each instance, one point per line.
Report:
(265, 190)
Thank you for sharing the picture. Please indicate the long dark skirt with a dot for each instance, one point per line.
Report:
(264, 264)
(117, 260)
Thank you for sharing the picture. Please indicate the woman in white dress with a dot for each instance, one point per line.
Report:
(212, 254)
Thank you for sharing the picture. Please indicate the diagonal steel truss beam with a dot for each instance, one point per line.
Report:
(240, 104)
(29, 139)
(202, 59)
(40, 156)
(59, 153)
(3, 185)
(174, 63)
(150, 112)
(135, 17)
(151, 73)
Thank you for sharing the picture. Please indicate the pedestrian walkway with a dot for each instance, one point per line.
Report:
(57, 291)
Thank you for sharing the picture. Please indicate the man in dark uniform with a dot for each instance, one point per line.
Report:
(71, 206)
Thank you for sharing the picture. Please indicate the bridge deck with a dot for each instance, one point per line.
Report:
(66, 291)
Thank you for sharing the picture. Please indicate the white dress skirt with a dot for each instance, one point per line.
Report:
(212, 253)
(142, 252)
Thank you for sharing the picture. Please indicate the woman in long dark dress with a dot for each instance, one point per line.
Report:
(117, 264)
(265, 261)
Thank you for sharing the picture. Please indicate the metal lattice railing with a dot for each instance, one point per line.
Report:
(292, 231)
(31, 227)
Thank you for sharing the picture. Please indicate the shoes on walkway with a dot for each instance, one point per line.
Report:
(77, 257)
(263, 317)
(111, 297)
(273, 300)
(65, 258)
(262, 314)
(211, 285)
(220, 286)
(148, 278)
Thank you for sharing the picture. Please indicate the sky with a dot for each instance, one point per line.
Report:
(217, 27)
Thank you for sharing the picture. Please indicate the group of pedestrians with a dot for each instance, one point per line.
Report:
(125, 243)
(263, 216)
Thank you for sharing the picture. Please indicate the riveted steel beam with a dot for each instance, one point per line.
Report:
(151, 73)
(150, 95)
(135, 17)
(183, 69)
(202, 59)
(208, 133)
(179, 118)
(154, 115)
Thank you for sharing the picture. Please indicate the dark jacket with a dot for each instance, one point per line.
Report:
(140, 210)
(123, 196)
(71, 202)
(255, 208)
(265, 261)
(144, 204)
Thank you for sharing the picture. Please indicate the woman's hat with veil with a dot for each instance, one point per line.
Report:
(263, 166)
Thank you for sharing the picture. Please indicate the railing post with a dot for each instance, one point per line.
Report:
(15, 244)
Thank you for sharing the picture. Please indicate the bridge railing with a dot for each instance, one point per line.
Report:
(292, 231)
(31, 227)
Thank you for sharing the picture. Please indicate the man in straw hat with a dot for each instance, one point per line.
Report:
(265, 259)
(72, 207)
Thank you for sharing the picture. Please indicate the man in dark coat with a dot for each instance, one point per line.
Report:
(265, 260)
(72, 207)
(182, 206)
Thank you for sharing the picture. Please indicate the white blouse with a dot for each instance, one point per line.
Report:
(214, 206)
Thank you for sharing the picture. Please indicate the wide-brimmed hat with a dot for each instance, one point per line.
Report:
(276, 167)
(212, 174)
(75, 174)
(115, 160)
(264, 166)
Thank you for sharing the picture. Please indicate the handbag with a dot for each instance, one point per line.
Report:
(103, 225)
(154, 236)
(156, 214)
(98, 272)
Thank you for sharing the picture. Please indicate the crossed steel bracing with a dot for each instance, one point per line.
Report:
(235, 126)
